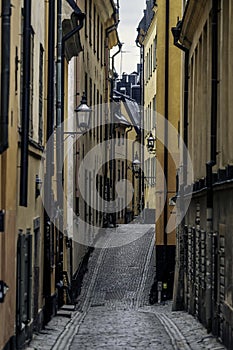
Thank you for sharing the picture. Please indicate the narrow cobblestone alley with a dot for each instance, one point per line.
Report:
(113, 311)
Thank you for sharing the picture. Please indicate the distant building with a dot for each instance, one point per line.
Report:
(130, 85)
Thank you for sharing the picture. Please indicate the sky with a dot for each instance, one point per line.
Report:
(131, 12)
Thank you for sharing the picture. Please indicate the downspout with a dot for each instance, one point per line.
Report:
(116, 53)
(80, 18)
(166, 111)
(112, 167)
(108, 30)
(5, 74)
(60, 114)
(209, 167)
(142, 102)
(113, 67)
(48, 196)
(112, 125)
(25, 104)
(59, 155)
(179, 287)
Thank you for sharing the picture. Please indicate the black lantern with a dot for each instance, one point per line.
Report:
(38, 185)
(136, 165)
(83, 114)
(151, 143)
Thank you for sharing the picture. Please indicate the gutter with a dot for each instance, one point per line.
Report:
(5, 74)
(25, 104)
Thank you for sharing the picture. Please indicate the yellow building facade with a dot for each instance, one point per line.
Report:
(38, 256)
(205, 32)
(162, 111)
(22, 237)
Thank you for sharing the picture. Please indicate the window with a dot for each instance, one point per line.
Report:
(102, 44)
(154, 52)
(98, 36)
(94, 31)
(86, 83)
(90, 22)
(24, 277)
(151, 60)
(31, 84)
(98, 113)
(154, 113)
(90, 92)
(85, 22)
(101, 118)
(41, 76)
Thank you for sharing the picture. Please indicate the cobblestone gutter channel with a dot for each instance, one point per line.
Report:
(113, 310)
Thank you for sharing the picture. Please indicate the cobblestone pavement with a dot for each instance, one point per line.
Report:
(113, 310)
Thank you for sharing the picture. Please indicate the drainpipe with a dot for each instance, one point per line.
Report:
(80, 19)
(112, 167)
(142, 102)
(209, 167)
(166, 111)
(59, 154)
(108, 31)
(113, 67)
(25, 104)
(60, 113)
(5, 74)
(179, 292)
(48, 196)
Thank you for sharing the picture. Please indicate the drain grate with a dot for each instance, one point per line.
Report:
(115, 295)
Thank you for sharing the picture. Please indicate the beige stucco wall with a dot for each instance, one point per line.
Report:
(150, 95)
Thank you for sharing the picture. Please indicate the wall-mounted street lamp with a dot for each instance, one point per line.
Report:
(151, 144)
(136, 166)
(83, 112)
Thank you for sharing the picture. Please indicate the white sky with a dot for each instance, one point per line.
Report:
(131, 12)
